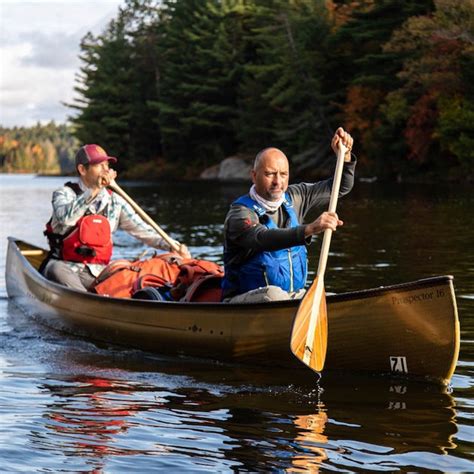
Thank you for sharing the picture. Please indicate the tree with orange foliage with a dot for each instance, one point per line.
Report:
(438, 84)
(362, 74)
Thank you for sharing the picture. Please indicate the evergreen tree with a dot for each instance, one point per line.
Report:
(116, 82)
(104, 108)
(281, 87)
(194, 81)
(199, 55)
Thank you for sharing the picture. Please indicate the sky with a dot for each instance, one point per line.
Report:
(39, 48)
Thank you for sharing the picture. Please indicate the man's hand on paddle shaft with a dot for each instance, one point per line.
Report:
(346, 139)
(106, 178)
(330, 220)
(183, 251)
(327, 220)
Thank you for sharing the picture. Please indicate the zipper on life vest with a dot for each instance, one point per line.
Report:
(266, 278)
(290, 261)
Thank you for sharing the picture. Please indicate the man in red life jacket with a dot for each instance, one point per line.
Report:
(85, 215)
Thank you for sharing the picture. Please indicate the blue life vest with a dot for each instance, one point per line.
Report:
(286, 268)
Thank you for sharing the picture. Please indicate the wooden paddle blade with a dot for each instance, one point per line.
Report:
(299, 335)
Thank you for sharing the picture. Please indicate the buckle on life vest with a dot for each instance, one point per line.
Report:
(85, 251)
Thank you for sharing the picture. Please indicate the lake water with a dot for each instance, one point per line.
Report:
(68, 405)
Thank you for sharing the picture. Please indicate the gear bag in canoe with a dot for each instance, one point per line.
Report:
(176, 278)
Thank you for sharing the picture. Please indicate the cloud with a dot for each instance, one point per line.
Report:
(32, 94)
(31, 114)
(39, 48)
(64, 46)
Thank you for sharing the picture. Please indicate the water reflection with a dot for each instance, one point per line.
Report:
(394, 418)
(88, 418)
(235, 417)
(310, 442)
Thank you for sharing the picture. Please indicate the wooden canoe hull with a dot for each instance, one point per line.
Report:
(410, 329)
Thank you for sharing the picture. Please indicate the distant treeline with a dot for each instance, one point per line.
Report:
(48, 149)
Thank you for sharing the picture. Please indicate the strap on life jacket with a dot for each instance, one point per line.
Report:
(55, 240)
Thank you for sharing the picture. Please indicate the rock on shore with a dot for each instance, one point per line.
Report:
(232, 168)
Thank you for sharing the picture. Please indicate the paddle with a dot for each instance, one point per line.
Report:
(172, 243)
(310, 327)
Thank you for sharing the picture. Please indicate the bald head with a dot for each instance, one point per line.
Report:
(270, 174)
(268, 154)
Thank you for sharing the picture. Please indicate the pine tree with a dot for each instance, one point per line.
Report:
(199, 57)
(116, 83)
(281, 88)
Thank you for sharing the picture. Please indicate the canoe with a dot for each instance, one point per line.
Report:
(408, 330)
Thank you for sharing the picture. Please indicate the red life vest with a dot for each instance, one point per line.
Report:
(89, 241)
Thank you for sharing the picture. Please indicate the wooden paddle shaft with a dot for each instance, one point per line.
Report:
(324, 257)
(332, 208)
(172, 243)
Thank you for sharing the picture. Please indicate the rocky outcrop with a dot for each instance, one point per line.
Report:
(230, 169)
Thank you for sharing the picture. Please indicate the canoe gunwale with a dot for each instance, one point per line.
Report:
(381, 290)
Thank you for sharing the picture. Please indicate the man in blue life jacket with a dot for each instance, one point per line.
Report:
(265, 255)
(85, 215)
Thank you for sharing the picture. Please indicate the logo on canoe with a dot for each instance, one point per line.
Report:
(418, 297)
(398, 364)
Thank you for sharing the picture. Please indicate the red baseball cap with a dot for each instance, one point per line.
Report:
(92, 154)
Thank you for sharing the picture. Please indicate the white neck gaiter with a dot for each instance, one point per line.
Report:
(270, 206)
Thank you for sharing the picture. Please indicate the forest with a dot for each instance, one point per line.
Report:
(43, 149)
(174, 86)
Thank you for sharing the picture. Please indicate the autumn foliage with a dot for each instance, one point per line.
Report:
(45, 149)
